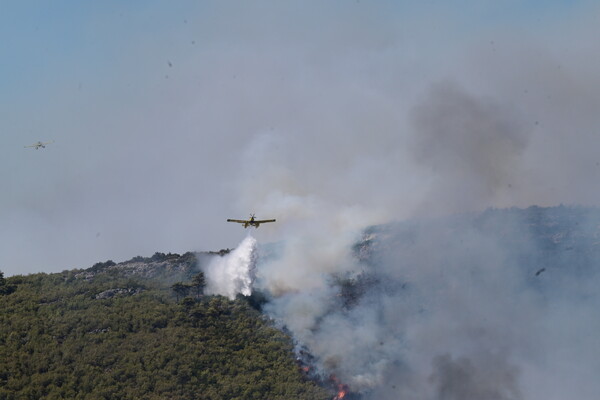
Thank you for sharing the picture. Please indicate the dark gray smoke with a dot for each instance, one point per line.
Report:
(471, 147)
(465, 379)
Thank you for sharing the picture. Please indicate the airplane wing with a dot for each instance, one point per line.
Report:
(241, 221)
(264, 220)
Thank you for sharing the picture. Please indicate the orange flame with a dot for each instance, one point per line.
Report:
(341, 394)
(341, 388)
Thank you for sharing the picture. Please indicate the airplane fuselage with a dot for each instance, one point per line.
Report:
(250, 222)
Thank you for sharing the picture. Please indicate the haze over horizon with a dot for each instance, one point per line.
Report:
(170, 118)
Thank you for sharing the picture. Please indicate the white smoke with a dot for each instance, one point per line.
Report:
(232, 274)
(451, 309)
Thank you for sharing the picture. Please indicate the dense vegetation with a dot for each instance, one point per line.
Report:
(104, 333)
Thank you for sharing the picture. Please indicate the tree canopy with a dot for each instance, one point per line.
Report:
(60, 338)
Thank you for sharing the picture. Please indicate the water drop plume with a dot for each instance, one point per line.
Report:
(233, 273)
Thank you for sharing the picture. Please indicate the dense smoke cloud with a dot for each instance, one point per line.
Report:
(452, 308)
(466, 380)
(448, 312)
(473, 148)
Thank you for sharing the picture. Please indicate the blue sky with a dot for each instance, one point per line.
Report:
(169, 118)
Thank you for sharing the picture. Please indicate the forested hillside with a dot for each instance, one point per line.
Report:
(118, 331)
(143, 329)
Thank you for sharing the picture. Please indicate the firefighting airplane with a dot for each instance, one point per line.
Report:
(40, 144)
(251, 222)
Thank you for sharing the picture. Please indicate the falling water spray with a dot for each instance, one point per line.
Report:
(234, 272)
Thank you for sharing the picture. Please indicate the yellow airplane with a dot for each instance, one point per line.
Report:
(251, 222)
(40, 144)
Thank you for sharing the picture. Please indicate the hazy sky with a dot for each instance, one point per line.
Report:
(170, 117)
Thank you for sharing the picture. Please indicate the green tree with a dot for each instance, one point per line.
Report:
(180, 289)
(4, 287)
(198, 283)
(58, 340)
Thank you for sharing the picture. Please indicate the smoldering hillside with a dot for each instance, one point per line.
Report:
(453, 304)
(494, 305)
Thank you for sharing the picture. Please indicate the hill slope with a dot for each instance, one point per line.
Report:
(116, 331)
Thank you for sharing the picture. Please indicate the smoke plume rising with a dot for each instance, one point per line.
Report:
(469, 145)
(452, 308)
(449, 308)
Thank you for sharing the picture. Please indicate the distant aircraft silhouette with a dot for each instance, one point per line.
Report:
(40, 144)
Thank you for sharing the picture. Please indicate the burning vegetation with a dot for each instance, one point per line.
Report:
(457, 289)
(331, 382)
(342, 389)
